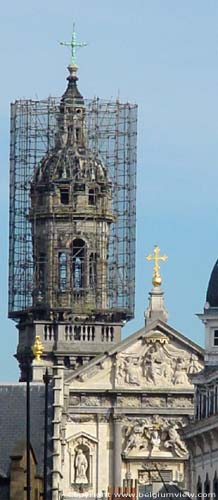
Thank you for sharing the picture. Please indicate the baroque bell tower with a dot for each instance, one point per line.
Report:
(72, 223)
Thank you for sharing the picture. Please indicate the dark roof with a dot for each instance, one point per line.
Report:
(72, 94)
(13, 421)
(212, 291)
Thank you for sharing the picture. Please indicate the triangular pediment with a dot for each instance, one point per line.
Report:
(154, 358)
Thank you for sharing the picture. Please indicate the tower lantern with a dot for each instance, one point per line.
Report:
(72, 223)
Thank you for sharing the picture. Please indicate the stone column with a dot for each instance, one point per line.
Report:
(117, 462)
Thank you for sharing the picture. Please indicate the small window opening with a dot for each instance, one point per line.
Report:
(199, 487)
(91, 197)
(216, 337)
(78, 264)
(65, 196)
(62, 271)
(92, 270)
(41, 271)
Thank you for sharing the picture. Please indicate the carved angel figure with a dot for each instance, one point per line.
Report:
(174, 441)
(136, 437)
(81, 466)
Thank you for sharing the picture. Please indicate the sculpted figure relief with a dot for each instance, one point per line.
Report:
(131, 368)
(135, 436)
(174, 441)
(81, 466)
(194, 365)
(153, 435)
(159, 363)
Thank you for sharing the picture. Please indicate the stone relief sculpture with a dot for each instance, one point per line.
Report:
(153, 435)
(136, 436)
(158, 362)
(179, 402)
(153, 402)
(174, 441)
(194, 365)
(131, 371)
(81, 466)
(180, 375)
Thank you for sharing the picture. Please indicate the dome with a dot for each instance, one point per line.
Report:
(70, 165)
(212, 291)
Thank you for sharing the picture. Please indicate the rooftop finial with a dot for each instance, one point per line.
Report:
(74, 45)
(37, 348)
(156, 280)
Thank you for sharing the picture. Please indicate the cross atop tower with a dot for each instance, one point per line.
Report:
(74, 46)
(156, 280)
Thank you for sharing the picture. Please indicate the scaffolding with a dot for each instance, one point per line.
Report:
(111, 136)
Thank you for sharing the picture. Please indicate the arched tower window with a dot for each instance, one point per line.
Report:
(215, 487)
(62, 258)
(41, 271)
(92, 270)
(199, 487)
(79, 278)
(207, 486)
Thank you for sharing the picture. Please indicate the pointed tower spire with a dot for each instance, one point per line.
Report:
(156, 308)
(72, 91)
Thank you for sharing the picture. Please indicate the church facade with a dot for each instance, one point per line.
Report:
(119, 419)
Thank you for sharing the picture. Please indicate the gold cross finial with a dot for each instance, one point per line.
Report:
(156, 280)
(37, 348)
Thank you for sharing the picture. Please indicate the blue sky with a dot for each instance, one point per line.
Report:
(162, 54)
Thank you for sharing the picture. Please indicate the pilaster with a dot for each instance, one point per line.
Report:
(117, 430)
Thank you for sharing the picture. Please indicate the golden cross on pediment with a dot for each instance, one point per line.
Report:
(156, 280)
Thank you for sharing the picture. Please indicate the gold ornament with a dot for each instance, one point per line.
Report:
(156, 280)
(37, 348)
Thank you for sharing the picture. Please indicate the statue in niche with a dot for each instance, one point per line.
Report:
(174, 441)
(81, 466)
(131, 371)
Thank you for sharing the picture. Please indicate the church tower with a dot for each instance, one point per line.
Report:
(72, 223)
(210, 320)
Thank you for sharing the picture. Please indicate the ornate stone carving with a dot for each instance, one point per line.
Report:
(91, 401)
(194, 365)
(136, 436)
(74, 400)
(175, 442)
(80, 418)
(106, 402)
(129, 401)
(154, 436)
(159, 362)
(155, 402)
(179, 402)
